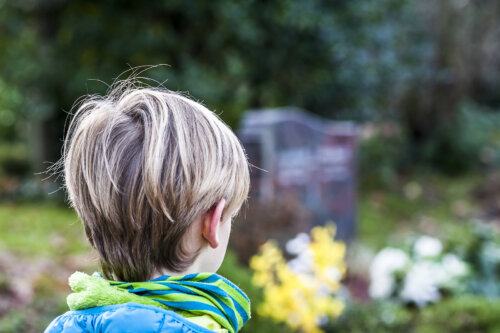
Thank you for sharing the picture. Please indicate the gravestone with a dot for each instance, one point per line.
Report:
(313, 159)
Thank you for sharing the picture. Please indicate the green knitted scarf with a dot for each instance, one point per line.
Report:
(189, 295)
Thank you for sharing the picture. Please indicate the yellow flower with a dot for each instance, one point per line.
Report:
(302, 299)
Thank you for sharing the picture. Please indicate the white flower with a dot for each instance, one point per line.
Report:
(333, 274)
(388, 261)
(427, 246)
(454, 266)
(381, 287)
(382, 270)
(298, 244)
(323, 290)
(421, 284)
(321, 320)
(307, 279)
(303, 263)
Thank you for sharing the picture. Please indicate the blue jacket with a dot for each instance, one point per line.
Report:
(123, 318)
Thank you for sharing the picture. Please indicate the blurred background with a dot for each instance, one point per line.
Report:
(409, 89)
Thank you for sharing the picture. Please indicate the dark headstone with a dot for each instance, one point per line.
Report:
(310, 158)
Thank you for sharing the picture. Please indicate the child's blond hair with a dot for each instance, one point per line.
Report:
(140, 165)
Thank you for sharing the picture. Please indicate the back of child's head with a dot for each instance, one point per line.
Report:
(140, 165)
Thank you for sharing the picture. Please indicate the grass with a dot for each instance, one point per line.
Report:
(434, 203)
(41, 230)
(40, 244)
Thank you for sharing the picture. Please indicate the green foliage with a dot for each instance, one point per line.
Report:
(340, 59)
(479, 245)
(14, 159)
(459, 147)
(393, 212)
(256, 54)
(480, 133)
(375, 317)
(381, 160)
(461, 314)
(468, 144)
(10, 101)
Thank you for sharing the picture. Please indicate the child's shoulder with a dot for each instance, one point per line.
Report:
(128, 317)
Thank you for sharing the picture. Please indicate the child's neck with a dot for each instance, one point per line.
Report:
(202, 263)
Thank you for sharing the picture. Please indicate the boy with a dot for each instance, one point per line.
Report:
(156, 179)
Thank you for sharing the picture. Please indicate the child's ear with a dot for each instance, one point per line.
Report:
(211, 223)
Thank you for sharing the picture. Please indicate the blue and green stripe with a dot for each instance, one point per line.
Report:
(196, 294)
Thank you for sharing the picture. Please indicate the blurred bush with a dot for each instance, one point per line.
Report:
(487, 194)
(14, 159)
(382, 156)
(377, 317)
(413, 63)
(479, 245)
(470, 144)
(462, 314)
